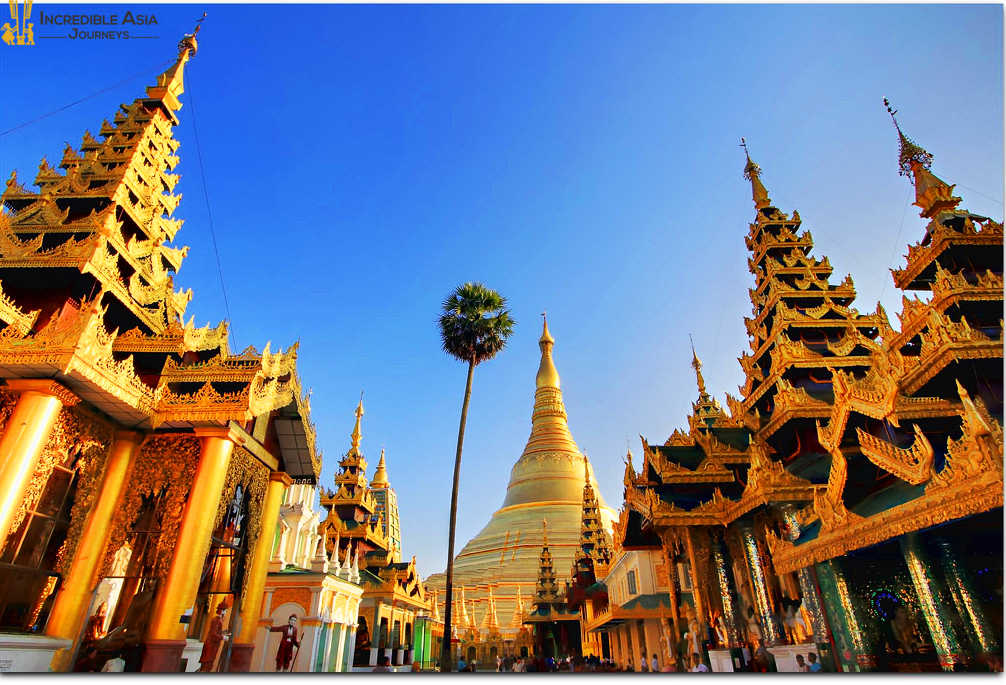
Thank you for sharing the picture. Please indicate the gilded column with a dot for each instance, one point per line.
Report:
(74, 598)
(166, 635)
(698, 583)
(850, 640)
(759, 583)
(24, 437)
(258, 568)
(673, 591)
(977, 627)
(808, 588)
(731, 614)
(938, 615)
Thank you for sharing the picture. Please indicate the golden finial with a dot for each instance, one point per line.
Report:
(544, 533)
(697, 365)
(752, 172)
(909, 153)
(586, 470)
(356, 435)
(547, 376)
(188, 42)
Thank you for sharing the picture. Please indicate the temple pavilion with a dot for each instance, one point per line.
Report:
(497, 571)
(143, 461)
(361, 531)
(849, 503)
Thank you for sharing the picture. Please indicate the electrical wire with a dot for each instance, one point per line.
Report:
(897, 241)
(84, 99)
(209, 213)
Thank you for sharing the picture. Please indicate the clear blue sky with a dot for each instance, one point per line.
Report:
(362, 161)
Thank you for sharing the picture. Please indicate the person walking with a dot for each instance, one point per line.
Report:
(654, 666)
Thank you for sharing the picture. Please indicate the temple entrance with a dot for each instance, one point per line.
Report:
(122, 600)
(361, 656)
(222, 574)
(471, 655)
(382, 640)
(28, 562)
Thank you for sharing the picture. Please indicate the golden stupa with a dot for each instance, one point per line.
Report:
(547, 482)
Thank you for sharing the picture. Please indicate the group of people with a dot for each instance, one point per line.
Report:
(813, 667)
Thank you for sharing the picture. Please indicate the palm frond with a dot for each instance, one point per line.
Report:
(474, 323)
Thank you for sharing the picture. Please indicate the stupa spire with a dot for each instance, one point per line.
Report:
(547, 376)
(518, 611)
(380, 479)
(357, 435)
(931, 193)
(697, 365)
(170, 84)
(752, 172)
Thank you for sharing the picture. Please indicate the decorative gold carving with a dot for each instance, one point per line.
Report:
(15, 316)
(292, 595)
(940, 237)
(253, 476)
(829, 506)
(92, 438)
(163, 462)
(76, 434)
(912, 465)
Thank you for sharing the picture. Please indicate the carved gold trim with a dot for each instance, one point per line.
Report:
(912, 465)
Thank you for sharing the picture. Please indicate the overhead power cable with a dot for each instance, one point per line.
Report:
(84, 99)
(209, 213)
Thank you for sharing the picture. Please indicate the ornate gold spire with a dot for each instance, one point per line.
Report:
(910, 154)
(752, 172)
(593, 545)
(931, 193)
(357, 435)
(549, 429)
(547, 376)
(697, 365)
(170, 84)
(380, 479)
(518, 611)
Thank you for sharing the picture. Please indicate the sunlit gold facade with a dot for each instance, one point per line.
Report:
(838, 504)
(138, 454)
(546, 482)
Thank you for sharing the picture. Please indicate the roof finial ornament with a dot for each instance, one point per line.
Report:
(188, 41)
(697, 365)
(547, 376)
(356, 434)
(910, 153)
(752, 172)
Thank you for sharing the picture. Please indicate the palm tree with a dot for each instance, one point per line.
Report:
(474, 327)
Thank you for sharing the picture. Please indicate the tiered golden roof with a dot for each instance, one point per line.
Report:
(110, 325)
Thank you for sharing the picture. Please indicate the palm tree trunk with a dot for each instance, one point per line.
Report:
(446, 652)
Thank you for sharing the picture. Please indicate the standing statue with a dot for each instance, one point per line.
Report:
(214, 637)
(287, 642)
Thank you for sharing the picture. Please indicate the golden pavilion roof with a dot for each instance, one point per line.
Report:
(101, 223)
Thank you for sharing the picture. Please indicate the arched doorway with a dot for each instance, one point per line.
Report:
(471, 655)
(361, 657)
